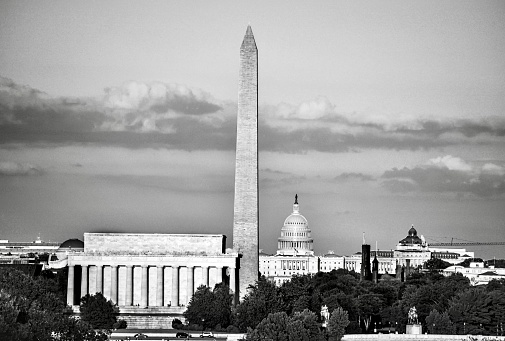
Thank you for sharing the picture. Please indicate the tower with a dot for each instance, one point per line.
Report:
(246, 204)
(365, 261)
(375, 266)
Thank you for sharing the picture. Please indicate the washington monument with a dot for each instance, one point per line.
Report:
(246, 205)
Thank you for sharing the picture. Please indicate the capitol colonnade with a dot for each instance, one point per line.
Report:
(163, 276)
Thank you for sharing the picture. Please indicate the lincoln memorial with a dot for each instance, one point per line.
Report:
(149, 274)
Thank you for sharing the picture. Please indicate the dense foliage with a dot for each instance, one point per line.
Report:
(210, 308)
(35, 309)
(445, 305)
(339, 320)
(302, 326)
(98, 312)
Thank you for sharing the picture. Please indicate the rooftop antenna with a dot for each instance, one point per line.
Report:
(364, 238)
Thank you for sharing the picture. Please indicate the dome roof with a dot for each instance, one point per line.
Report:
(412, 232)
(295, 219)
(72, 244)
(295, 236)
(412, 238)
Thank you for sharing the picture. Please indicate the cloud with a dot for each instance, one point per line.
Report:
(451, 163)
(353, 176)
(173, 116)
(133, 115)
(9, 168)
(447, 174)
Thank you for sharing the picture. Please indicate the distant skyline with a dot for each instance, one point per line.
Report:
(120, 116)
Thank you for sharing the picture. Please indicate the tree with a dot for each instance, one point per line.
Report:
(309, 324)
(368, 306)
(296, 293)
(303, 326)
(210, 308)
(263, 299)
(439, 323)
(274, 327)
(223, 299)
(199, 309)
(466, 262)
(33, 309)
(496, 284)
(477, 311)
(339, 320)
(98, 312)
(436, 264)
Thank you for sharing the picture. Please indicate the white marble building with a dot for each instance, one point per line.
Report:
(150, 275)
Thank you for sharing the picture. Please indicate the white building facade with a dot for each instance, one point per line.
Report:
(295, 254)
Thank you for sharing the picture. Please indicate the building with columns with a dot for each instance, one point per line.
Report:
(295, 250)
(295, 254)
(153, 276)
(149, 276)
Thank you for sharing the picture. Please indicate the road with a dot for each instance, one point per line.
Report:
(161, 336)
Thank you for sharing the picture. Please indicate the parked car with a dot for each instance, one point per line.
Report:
(140, 336)
(182, 335)
(207, 334)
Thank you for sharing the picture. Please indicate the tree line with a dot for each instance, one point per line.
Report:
(445, 305)
(35, 309)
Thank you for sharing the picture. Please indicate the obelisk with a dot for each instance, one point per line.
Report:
(246, 205)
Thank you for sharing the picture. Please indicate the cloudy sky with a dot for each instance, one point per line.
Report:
(121, 116)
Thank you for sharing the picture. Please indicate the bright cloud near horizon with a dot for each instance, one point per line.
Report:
(121, 116)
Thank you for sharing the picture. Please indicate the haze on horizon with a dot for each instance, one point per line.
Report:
(121, 116)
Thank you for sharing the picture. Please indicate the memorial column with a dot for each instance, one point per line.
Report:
(219, 275)
(99, 278)
(84, 280)
(175, 286)
(191, 283)
(205, 275)
(159, 287)
(113, 283)
(232, 278)
(129, 285)
(143, 289)
(232, 283)
(70, 285)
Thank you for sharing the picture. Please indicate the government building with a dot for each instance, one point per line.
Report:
(295, 254)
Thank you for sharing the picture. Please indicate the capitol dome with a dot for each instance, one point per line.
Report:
(295, 236)
(296, 219)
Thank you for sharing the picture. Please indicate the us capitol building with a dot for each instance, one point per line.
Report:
(295, 254)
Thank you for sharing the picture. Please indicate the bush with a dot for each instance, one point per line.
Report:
(232, 329)
(98, 312)
(177, 324)
(120, 324)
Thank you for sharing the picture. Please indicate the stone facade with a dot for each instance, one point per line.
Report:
(246, 205)
(153, 274)
(153, 243)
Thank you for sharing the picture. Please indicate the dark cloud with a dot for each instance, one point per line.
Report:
(353, 176)
(189, 105)
(325, 140)
(437, 179)
(492, 127)
(8, 168)
(138, 115)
